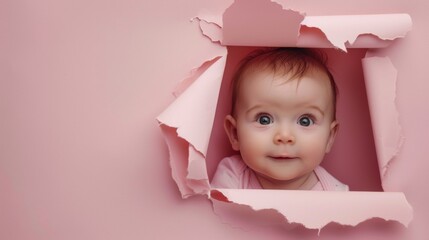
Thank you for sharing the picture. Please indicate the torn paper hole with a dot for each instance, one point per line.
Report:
(348, 208)
(187, 123)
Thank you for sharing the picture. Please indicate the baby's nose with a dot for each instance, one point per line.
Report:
(284, 135)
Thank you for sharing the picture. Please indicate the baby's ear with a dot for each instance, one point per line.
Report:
(332, 134)
(230, 125)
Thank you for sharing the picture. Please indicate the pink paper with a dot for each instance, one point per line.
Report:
(187, 123)
(211, 30)
(316, 210)
(251, 23)
(380, 80)
(193, 109)
(341, 30)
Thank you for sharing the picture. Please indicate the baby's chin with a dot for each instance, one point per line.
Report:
(288, 182)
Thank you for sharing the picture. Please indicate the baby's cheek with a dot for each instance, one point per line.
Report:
(248, 135)
(314, 146)
(250, 145)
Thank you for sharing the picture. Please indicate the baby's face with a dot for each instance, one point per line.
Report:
(284, 127)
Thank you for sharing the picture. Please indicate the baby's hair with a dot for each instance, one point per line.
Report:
(294, 62)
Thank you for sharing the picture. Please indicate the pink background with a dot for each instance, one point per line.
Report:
(82, 157)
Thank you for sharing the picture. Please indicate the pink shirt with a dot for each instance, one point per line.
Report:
(232, 172)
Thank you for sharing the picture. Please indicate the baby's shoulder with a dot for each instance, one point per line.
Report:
(229, 173)
(329, 182)
(234, 162)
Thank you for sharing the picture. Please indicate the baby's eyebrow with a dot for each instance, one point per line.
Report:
(254, 108)
(317, 108)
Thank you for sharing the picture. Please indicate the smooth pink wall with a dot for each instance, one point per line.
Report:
(81, 155)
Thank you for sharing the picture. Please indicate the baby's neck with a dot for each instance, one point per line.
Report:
(306, 182)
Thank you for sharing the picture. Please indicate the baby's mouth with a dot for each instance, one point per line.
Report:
(282, 157)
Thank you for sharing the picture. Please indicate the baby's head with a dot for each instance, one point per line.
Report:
(283, 115)
(293, 62)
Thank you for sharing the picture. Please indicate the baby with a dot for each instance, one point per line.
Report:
(282, 123)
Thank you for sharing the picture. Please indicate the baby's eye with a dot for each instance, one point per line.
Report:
(305, 121)
(264, 119)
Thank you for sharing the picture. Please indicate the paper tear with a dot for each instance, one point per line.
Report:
(210, 29)
(250, 23)
(197, 169)
(212, 15)
(312, 37)
(177, 147)
(380, 80)
(347, 28)
(244, 24)
(188, 147)
(193, 75)
(346, 208)
(186, 114)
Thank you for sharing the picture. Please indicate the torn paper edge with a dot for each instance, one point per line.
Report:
(344, 208)
(214, 16)
(194, 74)
(341, 31)
(384, 26)
(211, 30)
(249, 10)
(210, 79)
(381, 77)
(189, 169)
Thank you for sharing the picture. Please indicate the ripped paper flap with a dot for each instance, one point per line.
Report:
(343, 31)
(317, 209)
(380, 80)
(187, 125)
(246, 25)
